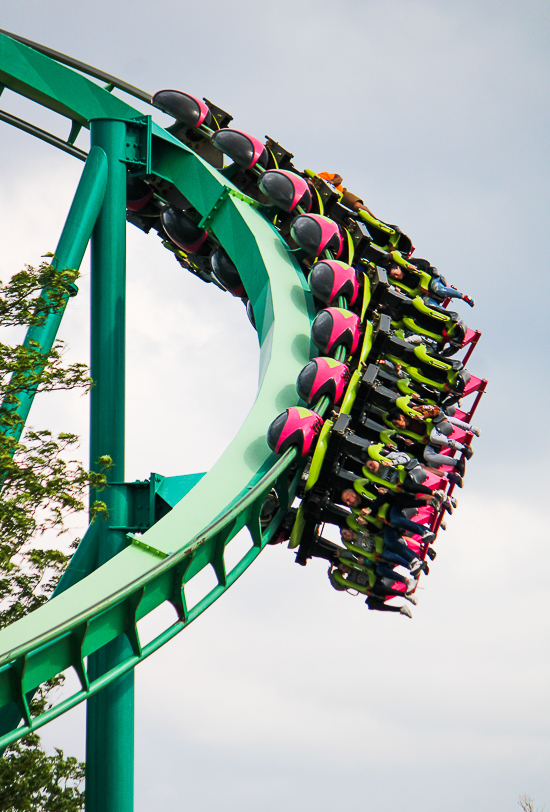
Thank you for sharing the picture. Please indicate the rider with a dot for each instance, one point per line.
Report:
(438, 288)
(397, 519)
(377, 595)
(348, 199)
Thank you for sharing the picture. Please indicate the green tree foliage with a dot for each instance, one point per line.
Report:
(32, 781)
(41, 485)
(27, 300)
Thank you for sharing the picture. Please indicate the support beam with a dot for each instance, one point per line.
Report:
(110, 714)
(70, 250)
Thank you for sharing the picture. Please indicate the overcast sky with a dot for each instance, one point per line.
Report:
(286, 694)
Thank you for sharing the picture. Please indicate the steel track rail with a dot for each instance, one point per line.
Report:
(157, 567)
(82, 67)
(43, 135)
(122, 610)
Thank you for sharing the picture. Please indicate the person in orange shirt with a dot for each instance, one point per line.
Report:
(348, 199)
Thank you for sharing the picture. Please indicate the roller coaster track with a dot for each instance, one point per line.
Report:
(90, 609)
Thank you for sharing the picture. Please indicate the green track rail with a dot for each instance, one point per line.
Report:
(157, 567)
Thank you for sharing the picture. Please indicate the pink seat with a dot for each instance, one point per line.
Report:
(424, 515)
(472, 386)
(459, 435)
(414, 545)
(434, 481)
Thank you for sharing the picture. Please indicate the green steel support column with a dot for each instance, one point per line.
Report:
(110, 714)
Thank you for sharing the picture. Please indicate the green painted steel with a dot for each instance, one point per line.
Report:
(36, 76)
(158, 565)
(43, 135)
(43, 80)
(89, 70)
(68, 254)
(110, 714)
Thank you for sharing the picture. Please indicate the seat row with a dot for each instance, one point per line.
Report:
(383, 434)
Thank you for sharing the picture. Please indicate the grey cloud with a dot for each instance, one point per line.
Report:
(437, 114)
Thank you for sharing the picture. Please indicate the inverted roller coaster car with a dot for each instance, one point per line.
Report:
(322, 376)
(330, 279)
(226, 273)
(242, 148)
(182, 230)
(295, 426)
(315, 234)
(287, 190)
(334, 327)
(192, 112)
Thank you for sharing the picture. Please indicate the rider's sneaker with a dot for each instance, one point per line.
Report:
(455, 478)
(416, 568)
(428, 537)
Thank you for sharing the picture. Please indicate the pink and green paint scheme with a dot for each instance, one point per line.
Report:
(315, 234)
(334, 327)
(287, 190)
(329, 279)
(322, 376)
(244, 149)
(297, 427)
